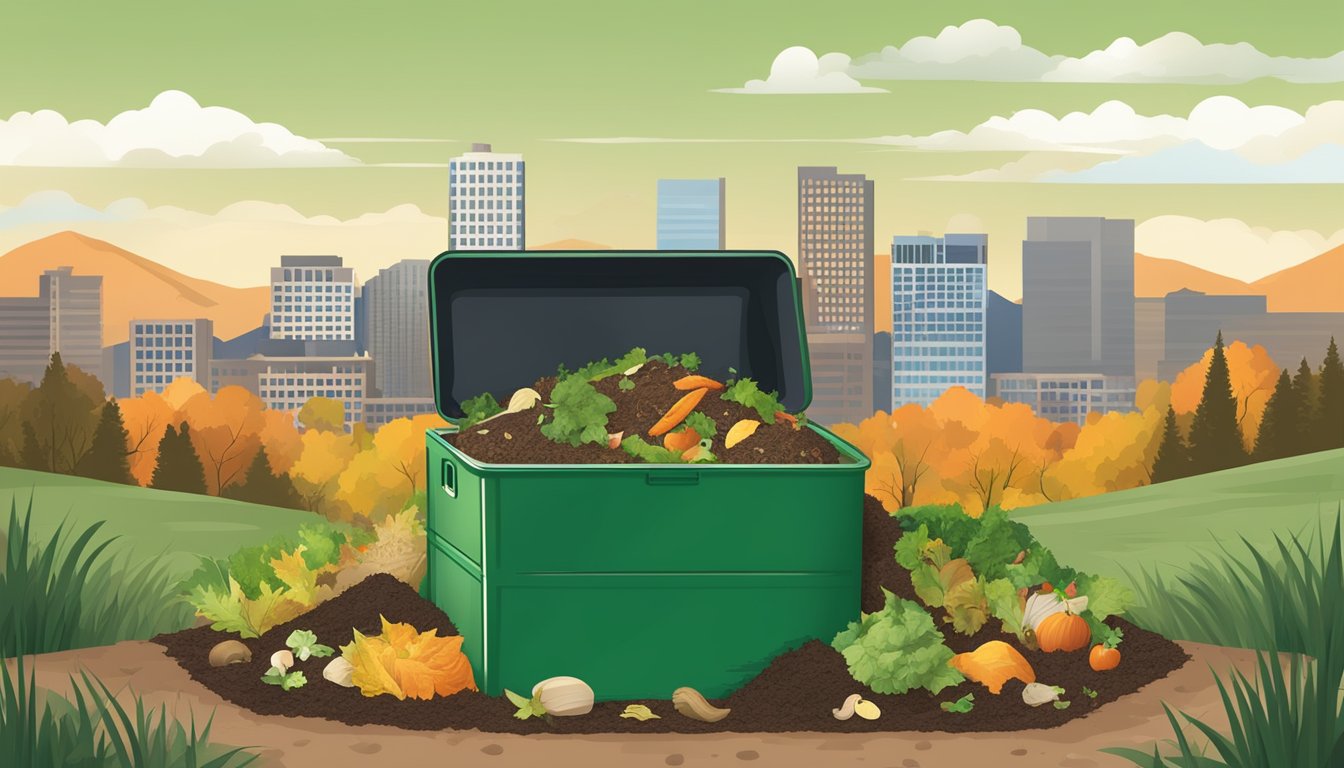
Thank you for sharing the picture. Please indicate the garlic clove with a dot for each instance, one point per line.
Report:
(523, 399)
(564, 696)
(1036, 694)
(340, 672)
(632, 370)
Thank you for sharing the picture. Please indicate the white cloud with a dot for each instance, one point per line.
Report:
(799, 70)
(236, 245)
(983, 50)
(174, 131)
(1198, 163)
(1177, 57)
(1230, 246)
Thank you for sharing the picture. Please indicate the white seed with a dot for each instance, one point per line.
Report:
(339, 671)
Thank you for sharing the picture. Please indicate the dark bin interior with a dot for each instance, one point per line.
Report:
(500, 321)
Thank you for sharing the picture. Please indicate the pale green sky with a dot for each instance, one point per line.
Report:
(521, 74)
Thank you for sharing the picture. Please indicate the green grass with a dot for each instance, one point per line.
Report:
(145, 521)
(1165, 528)
(92, 727)
(1289, 600)
(69, 591)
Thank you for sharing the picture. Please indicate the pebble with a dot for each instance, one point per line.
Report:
(492, 749)
(748, 754)
(922, 745)
(366, 747)
(674, 759)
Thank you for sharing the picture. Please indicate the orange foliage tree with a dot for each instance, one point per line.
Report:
(1253, 373)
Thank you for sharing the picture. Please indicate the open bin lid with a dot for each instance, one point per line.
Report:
(500, 320)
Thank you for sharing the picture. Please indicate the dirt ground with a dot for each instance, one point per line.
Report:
(1134, 720)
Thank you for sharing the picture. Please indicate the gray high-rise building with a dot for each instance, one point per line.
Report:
(66, 317)
(162, 351)
(690, 214)
(396, 319)
(1078, 296)
(835, 259)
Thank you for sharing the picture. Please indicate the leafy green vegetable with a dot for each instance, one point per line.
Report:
(747, 392)
(287, 682)
(478, 409)
(996, 544)
(967, 608)
(1039, 567)
(322, 544)
(625, 384)
(603, 368)
(704, 456)
(653, 454)
(703, 425)
(690, 361)
(580, 413)
(1106, 596)
(960, 706)
(1061, 705)
(526, 707)
(932, 584)
(897, 649)
(541, 417)
(946, 521)
(910, 547)
(1089, 693)
(304, 644)
(1007, 606)
(211, 575)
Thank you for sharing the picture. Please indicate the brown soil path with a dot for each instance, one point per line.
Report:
(1134, 720)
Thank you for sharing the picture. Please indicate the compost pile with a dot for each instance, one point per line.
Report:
(645, 398)
(795, 692)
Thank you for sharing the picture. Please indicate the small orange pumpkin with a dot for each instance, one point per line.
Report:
(682, 441)
(1063, 632)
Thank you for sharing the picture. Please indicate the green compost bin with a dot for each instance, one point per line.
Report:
(636, 578)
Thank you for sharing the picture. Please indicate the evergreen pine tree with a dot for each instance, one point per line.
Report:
(178, 467)
(262, 486)
(1305, 385)
(107, 458)
(31, 455)
(1280, 428)
(1215, 437)
(1173, 458)
(1329, 416)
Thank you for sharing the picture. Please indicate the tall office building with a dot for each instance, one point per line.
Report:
(66, 317)
(938, 307)
(396, 319)
(164, 350)
(486, 201)
(1078, 296)
(1067, 396)
(312, 299)
(835, 258)
(690, 214)
(835, 249)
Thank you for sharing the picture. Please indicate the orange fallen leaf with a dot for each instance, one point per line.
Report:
(407, 663)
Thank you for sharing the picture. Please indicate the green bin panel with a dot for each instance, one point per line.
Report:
(455, 585)
(454, 505)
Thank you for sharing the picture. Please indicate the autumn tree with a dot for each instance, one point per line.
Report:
(1252, 374)
(31, 455)
(323, 413)
(323, 458)
(226, 432)
(13, 393)
(1328, 423)
(1215, 437)
(63, 412)
(1173, 458)
(261, 485)
(178, 467)
(107, 458)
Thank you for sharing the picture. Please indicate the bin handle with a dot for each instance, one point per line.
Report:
(673, 478)
(448, 478)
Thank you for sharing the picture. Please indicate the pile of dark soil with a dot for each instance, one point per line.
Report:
(796, 692)
(516, 438)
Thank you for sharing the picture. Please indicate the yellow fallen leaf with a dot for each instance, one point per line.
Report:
(740, 431)
(640, 713)
(407, 663)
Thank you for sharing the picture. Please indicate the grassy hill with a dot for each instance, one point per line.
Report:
(148, 522)
(1167, 525)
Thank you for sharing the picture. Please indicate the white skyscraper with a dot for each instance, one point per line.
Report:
(486, 201)
(938, 304)
(312, 299)
(164, 350)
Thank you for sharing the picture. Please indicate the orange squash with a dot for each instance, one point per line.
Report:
(1063, 632)
(682, 441)
(1103, 657)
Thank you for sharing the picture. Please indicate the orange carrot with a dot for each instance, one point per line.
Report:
(696, 382)
(789, 417)
(681, 441)
(678, 412)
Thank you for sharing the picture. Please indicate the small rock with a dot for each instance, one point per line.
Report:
(674, 759)
(492, 749)
(1019, 752)
(748, 754)
(366, 747)
(229, 652)
(923, 745)
(909, 762)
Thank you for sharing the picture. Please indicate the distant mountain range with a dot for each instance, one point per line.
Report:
(137, 287)
(133, 286)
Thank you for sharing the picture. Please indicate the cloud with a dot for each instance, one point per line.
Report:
(236, 245)
(983, 50)
(1198, 163)
(798, 70)
(1230, 246)
(174, 131)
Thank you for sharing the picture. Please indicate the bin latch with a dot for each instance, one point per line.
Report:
(448, 478)
(674, 478)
